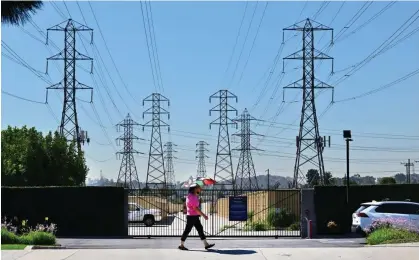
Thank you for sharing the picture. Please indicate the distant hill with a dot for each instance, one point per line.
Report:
(275, 181)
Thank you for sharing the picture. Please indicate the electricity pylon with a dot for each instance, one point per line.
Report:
(170, 171)
(201, 156)
(69, 126)
(156, 172)
(245, 168)
(309, 143)
(408, 165)
(223, 165)
(128, 171)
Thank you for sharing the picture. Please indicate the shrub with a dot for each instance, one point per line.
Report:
(256, 226)
(38, 238)
(8, 237)
(395, 223)
(386, 235)
(283, 218)
(23, 227)
(19, 232)
(250, 215)
(294, 226)
(31, 238)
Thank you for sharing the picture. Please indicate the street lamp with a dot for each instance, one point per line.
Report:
(348, 138)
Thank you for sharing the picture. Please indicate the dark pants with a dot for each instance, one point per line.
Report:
(193, 221)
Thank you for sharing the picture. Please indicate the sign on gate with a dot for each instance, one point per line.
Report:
(237, 208)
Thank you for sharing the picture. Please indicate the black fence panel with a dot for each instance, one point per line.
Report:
(158, 213)
(77, 211)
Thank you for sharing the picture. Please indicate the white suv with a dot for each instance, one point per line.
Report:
(140, 214)
(363, 217)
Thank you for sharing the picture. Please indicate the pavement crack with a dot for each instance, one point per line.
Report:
(70, 255)
(15, 258)
(261, 252)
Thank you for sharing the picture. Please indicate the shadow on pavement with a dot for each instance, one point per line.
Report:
(229, 251)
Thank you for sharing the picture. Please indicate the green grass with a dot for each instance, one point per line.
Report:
(13, 247)
(391, 236)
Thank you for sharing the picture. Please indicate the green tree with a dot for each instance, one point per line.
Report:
(387, 180)
(18, 12)
(312, 177)
(351, 182)
(400, 178)
(30, 159)
(328, 179)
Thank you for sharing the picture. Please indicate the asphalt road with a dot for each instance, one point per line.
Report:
(167, 243)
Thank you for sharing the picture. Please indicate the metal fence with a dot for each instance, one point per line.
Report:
(270, 213)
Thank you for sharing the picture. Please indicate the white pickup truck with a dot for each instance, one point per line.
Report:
(137, 213)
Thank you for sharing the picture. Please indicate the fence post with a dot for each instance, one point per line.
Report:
(126, 226)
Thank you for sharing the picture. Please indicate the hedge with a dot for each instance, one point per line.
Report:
(330, 202)
(77, 211)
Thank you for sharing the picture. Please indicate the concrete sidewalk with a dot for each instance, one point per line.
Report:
(365, 253)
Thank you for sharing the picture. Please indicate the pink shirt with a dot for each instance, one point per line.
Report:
(192, 201)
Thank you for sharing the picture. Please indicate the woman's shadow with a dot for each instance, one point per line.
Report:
(229, 251)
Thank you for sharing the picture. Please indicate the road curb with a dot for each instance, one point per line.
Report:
(47, 247)
(396, 245)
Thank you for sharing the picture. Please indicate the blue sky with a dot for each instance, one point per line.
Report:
(195, 41)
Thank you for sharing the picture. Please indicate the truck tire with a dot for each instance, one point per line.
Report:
(148, 220)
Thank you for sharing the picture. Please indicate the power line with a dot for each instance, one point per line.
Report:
(22, 98)
(107, 49)
(244, 43)
(253, 44)
(386, 86)
(235, 43)
(379, 50)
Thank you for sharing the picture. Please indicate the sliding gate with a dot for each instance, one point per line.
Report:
(269, 213)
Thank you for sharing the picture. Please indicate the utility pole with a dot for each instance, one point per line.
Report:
(269, 177)
(170, 172)
(309, 143)
(408, 165)
(69, 126)
(223, 173)
(201, 156)
(128, 171)
(347, 135)
(245, 167)
(156, 173)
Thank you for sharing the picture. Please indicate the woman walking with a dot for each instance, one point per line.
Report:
(193, 212)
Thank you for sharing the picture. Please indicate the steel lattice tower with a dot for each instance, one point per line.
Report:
(128, 171)
(309, 143)
(69, 126)
(170, 172)
(223, 165)
(201, 156)
(245, 167)
(156, 173)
